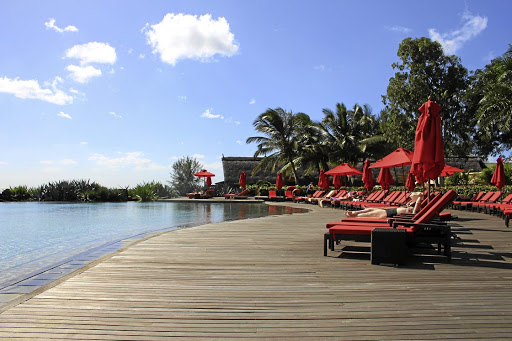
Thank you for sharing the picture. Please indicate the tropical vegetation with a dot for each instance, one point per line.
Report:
(476, 115)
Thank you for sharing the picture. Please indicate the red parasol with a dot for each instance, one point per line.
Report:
(367, 176)
(243, 180)
(411, 182)
(323, 181)
(336, 181)
(343, 169)
(450, 170)
(428, 160)
(279, 181)
(385, 178)
(205, 174)
(399, 157)
(498, 178)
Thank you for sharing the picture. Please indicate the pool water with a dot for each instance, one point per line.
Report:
(34, 235)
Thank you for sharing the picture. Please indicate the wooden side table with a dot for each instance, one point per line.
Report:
(388, 246)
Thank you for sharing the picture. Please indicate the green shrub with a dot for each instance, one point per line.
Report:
(144, 192)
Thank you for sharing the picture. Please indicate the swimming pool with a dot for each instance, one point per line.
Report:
(35, 235)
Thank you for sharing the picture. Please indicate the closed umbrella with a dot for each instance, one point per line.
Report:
(498, 178)
(336, 181)
(279, 181)
(208, 181)
(411, 182)
(385, 178)
(428, 160)
(367, 176)
(323, 180)
(243, 180)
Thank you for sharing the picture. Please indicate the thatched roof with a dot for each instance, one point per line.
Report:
(234, 165)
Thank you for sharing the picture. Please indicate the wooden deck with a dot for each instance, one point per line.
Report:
(267, 278)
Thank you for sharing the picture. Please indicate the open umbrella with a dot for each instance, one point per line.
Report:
(498, 178)
(279, 181)
(344, 169)
(336, 181)
(450, 170)
(243, 180)
(411, 182)
(367, 176)
(323, 180)
(428, 160)
(205, 174)
(385, 178)
(399, 157)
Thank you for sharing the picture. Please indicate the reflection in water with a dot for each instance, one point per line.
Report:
(35, 235)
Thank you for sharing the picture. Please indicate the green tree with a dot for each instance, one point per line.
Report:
(491, 95)
(183, 179)
(423, 71)
(278, 146)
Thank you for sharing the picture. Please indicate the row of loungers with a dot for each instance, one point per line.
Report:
(489, 203)
(422, 227)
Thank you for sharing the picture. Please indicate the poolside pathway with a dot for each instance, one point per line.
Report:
(267, 278)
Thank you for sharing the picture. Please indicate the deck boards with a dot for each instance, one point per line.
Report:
(267, 278)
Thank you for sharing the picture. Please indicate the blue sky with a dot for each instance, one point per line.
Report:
(116, 91)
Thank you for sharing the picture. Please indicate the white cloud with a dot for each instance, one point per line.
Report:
(3, 163)
(182, 98)
(399, 29)
(46, 162)
(68, 162)
(319, 67)
(238, 142)
(184, 36)
(198, 156)
(51, 24)
(454, 40)
(115, 115)
(82, 74)
(128, 159)
(208, 114)
(252, 101)
(62, 114)
(93, 52)
(31, 89)
(142, 56)
(213, 166)
(83, 143)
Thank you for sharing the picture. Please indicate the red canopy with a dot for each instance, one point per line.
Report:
(498, 178)
(411, 182)
(279, 181)
(385, 178)
(450, 170)
(243, 180)
(367, 176)
(323, 180)
(428, 160)
(336, 181)
(204, 173)
(343, 169)
(400, 157)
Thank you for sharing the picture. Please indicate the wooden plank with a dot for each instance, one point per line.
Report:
(267, 278)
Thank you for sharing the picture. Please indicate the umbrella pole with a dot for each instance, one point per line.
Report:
(403, 174)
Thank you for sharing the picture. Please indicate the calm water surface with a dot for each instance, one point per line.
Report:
(35, 235)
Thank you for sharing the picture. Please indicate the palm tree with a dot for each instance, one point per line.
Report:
(495, 109)
(340, 138)
(279, 143)
(312, 152)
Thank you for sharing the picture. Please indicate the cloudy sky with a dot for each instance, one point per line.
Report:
(116, 91)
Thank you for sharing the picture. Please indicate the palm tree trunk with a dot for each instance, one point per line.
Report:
(295, 173)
